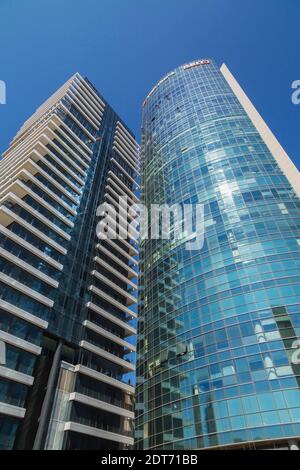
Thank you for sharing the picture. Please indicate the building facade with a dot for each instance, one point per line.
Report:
(67, 298)
(217, 358)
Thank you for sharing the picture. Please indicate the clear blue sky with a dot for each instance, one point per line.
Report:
(125, 46)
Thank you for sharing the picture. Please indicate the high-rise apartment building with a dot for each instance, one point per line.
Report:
(217, 364)
(67, 298)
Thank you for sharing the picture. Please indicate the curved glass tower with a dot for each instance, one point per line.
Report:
(217, 364)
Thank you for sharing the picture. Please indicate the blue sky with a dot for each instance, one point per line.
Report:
(125, 46)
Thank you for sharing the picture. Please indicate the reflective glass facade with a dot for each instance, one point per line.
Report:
(216, 326)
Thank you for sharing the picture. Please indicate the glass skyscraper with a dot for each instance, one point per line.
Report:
(217, 366)
(67, 298)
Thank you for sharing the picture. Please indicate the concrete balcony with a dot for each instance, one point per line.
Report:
(123, 213)
(20, 343)
(27, 267)
(81, 369)
(11, 282)
(130, 299)
(11, 410)
(121, 187)
(20, 313)
(131, 272)
(112, 301)
(115, 273)
(100, 433)
(7, 217)
(107, 334)
(128, 329)
(100, 405)
(132, 250)
(20, 189)
(14, 199)
(16, 376)
(125, 157)
(133, 180)
(126, 365)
